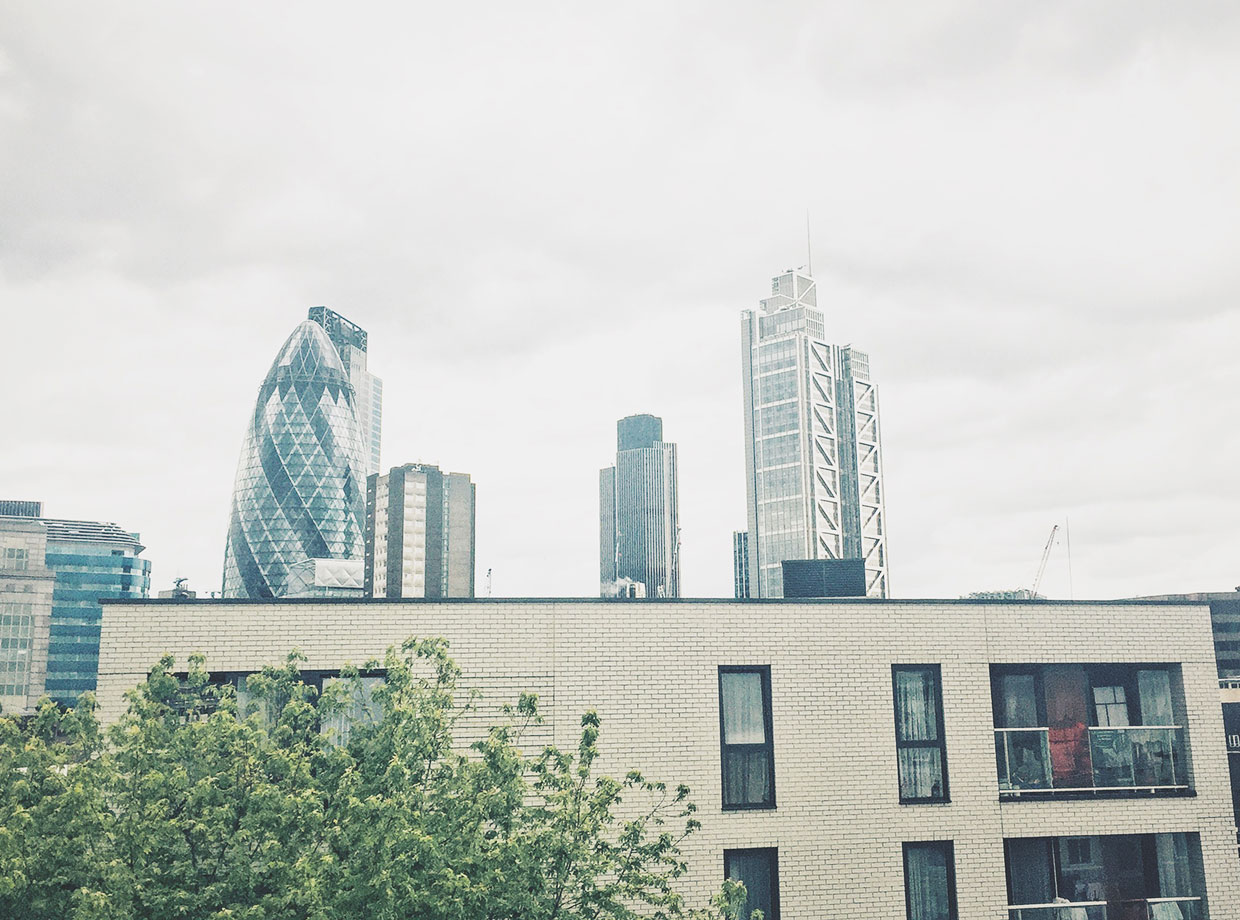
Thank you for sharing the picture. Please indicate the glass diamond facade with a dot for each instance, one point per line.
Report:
(300, 490)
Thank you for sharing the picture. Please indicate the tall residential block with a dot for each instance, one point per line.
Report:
(419, 533)
(53, 573)
(639, 525)
(813, 455)
(298, 506)
(351, 343)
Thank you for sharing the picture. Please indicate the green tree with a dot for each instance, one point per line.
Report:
(347, 804)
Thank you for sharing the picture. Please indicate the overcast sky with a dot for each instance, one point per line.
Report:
(549, 216)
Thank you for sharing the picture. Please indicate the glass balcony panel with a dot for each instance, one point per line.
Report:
(1023, 758)
(1121, 757)
(1179, 763)
(1082, 910)
(1153, 760)
(1111, 752)
(1151, 909)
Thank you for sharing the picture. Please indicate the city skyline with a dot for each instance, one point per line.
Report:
(1018, 214)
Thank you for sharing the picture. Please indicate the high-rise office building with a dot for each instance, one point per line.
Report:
(53, 574)
(740, 564)
(419, 533)
(351, 344)
(639, 526)
(25, 607)
(813, 458)
(298, 506)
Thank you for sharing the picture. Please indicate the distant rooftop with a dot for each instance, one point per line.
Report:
(90, 532)
(20, 508)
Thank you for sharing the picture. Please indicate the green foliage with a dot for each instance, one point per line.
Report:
(301, 808)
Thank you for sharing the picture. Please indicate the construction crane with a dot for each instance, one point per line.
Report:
(1050, 541)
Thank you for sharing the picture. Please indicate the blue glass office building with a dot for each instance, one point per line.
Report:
(91, 560)
(300, 492)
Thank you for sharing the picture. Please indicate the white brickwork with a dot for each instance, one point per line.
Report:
(650, 669)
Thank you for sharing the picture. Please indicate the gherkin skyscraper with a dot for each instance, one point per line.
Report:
(298, 508)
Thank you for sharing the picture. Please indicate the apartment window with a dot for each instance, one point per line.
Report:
(921, 753)
(758, 870)
(930, 880)
(748, 749)
(1140, 876)
(356, 706)
(1102, 728)
(16, 639)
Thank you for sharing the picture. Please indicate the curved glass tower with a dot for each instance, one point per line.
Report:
(300, 492)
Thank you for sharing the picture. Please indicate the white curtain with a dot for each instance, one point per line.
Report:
(744, 719)
(915, 706)
(921, 773)
(1154, 695)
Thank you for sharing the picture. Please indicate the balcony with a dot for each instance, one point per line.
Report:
(1142, 909)
(1095, 760)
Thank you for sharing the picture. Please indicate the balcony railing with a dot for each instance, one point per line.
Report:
(1097, 759)
(1146, 909)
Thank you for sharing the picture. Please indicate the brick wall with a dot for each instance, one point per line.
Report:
(650, 669)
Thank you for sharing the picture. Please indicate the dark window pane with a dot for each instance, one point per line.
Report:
(921, 773)
(758, 870)
(928, 880)
(1031, 880)
(746, 777)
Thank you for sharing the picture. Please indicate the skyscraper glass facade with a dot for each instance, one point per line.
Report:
(91, 561)
(813, 458)
(639, 525)
(300, 488)
(353, 344)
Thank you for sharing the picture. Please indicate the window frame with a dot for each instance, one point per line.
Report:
(764, 671)
(773, 852)
(940, 744)
(949, 852)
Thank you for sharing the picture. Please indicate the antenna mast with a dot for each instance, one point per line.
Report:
(809, 247)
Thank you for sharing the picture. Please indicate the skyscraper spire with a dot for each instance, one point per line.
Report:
(809, 247)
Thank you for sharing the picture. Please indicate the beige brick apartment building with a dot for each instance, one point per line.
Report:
(852, 759)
